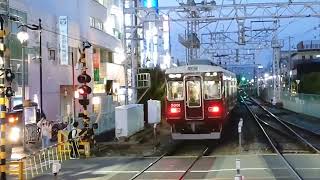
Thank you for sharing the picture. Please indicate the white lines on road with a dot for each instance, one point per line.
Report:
(193, 171)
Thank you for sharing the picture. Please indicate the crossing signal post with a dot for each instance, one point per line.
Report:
(84, 90)
(2, 104)
(6, 78)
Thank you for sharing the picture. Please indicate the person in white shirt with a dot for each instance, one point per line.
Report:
(46, 130)
(74, 140)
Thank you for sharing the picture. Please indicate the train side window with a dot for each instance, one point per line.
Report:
(175, 90)
(212, 89)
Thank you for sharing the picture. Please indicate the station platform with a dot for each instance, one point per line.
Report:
(302, 120)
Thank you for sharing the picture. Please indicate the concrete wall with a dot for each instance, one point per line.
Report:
(301, 103)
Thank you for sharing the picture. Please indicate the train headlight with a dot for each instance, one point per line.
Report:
(14, 134)
(11, 119)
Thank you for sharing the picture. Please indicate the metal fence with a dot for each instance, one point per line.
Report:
(44, 161)
(301, 103)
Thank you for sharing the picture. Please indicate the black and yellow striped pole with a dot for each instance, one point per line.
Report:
(2, 103)
(84, 90)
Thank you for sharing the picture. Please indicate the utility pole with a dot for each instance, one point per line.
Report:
(275, 65)
(130, 43)
(290, 63)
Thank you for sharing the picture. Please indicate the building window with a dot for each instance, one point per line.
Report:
(52, 54)
(99, 25)
(110, 57)
(116, 3)
(102, 2)
(303, 57)
(91, 22)
(96, 23)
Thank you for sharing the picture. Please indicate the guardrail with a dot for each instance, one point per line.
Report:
(46, 161)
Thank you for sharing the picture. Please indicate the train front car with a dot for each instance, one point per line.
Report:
(199, 100)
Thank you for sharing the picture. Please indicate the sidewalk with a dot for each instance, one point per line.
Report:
(301, 120)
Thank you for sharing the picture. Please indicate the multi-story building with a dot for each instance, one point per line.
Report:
(66, 24)
(306, 51)
(156, 44)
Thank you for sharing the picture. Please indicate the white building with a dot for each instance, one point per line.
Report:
(155, 46)
(97, 21)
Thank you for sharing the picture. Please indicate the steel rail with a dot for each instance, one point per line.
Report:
(168, 152)
(271, 143)
(150, 165)
(193, 163)
(285, 125)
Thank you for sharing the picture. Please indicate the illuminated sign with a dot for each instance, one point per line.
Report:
(151, 4)
(63, 31)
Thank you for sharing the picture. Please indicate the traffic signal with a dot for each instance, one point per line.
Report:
(9, 92)
(13, 119)
(84, 90)
(84, 102)
(84, 78)
(9, 75)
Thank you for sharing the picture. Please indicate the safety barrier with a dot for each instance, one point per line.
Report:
(45, 161)
(84, 147)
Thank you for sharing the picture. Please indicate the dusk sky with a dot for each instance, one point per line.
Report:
(298, 28)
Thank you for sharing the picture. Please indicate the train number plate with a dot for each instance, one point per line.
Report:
(193, 68)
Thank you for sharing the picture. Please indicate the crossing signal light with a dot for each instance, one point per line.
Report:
(84, 102)
(9, 75)
(84, 90)
(9, 92)
(84, 78)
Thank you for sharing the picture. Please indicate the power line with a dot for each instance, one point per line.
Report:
(81, 39)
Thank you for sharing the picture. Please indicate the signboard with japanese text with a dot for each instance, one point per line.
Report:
(63, 31)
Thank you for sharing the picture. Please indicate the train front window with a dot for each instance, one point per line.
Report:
(175, 90)
(194, 93)
(212, 89)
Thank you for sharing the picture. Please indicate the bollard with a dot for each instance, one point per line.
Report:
(240, 134)
(155, 136)
(56, 167)
(238, 176)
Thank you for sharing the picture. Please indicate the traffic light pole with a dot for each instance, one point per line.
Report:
(40, 61)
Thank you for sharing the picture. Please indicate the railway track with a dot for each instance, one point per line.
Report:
(206, 150)
(279, 133)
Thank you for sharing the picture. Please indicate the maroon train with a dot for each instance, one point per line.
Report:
(199, 100)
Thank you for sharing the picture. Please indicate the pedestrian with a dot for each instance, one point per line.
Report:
(73, 137)
(45, 129)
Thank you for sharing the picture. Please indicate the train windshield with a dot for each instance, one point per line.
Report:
(212, 89)
(175, 90)
(194, 93)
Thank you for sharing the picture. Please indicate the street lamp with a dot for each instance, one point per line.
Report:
(23, 37)
(38, 27)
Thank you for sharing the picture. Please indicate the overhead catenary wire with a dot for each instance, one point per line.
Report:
(81, 39)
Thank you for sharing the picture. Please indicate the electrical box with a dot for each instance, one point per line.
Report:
(129, 120)
(154, 112)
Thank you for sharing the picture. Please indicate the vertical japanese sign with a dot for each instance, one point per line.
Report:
(63, 31)
(96, 65)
